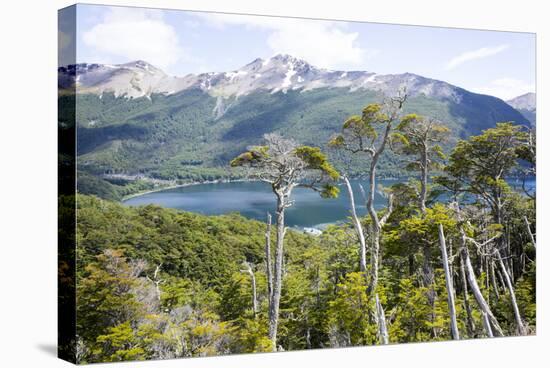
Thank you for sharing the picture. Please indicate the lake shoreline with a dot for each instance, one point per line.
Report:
(252, 198)
(183, 185)
(221, 181)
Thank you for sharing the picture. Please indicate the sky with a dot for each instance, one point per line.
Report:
(182, 42)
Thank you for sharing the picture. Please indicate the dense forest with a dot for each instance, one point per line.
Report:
(451, 256)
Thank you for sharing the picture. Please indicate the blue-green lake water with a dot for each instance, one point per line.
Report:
(255, 199)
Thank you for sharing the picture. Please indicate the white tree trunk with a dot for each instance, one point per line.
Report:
(531, 236)
(253, 281)
(487, 324)
(470, 319)
(494, 327)
(358, 227)
(375, 236)
(449, 284)
(278, 273)
(381, 317)
(268, 266)
(517, 315)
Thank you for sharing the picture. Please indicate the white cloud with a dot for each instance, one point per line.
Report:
(135, 34)
(475, 55)
(323, 43)
(506, 88)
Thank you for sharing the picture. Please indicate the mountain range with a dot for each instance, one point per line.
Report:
(279, 73)
(134, 119)
(526, 104)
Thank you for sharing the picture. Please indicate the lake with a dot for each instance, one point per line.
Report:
(255, 199)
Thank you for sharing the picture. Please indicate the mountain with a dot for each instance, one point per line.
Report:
(279, 73)
(131, 80)
(527, 105)
(134, 120)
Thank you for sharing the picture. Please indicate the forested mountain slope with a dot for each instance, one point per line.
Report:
(134, 119)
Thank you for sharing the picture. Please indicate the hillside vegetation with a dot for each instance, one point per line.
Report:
(160, 283)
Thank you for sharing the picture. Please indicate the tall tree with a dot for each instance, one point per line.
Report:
(418, 138)
(360, 135)
(448, 283)
(479, 166)
(285, 165)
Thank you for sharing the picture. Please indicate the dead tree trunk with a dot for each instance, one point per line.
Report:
(449, 284)
(487, 324)
(531, 236)
(470, 319)
(156, 281)
(381, 319)
(517, 315)
(423, 177)
(278, 271)
(358, 227)
(268, 266)
(376, 226)
(494, 279)
(494, 327)
(253, 281)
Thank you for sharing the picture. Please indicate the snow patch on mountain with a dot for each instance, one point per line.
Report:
(280, 73)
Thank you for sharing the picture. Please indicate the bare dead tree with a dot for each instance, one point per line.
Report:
(470, 325)
(480, 299)
(449, 284)
(268, 266)
(496, 254)
(357, 225)
(492, 327)
(156, 280)
(513, 301)
(486, 324)
(250, 272)
(381, 321)
(531, 235)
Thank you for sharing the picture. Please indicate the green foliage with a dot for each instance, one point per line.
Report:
(350, 313)
(526, 291)
(416, 319)
(481, 164)
(251, 157)
(119, 344)
(410, 235)
(90, 184)
(316, 160)
(189, 245)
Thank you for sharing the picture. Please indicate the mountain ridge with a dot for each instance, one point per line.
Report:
(526, 104)
(279, 73)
